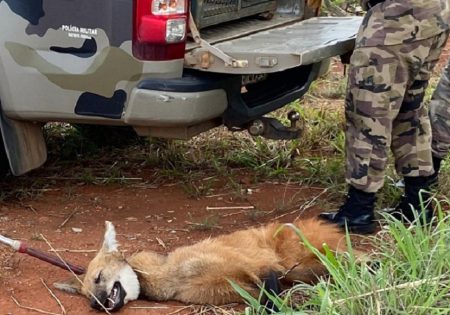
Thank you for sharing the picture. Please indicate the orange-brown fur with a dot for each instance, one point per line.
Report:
(199, 273)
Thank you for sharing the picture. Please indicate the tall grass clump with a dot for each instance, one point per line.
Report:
(406, 272)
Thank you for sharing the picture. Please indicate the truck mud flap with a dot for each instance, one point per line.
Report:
(24, 144)
(278, 49)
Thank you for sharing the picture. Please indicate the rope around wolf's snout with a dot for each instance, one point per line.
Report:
(22, 247)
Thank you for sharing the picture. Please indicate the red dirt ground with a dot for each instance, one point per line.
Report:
(141, 215)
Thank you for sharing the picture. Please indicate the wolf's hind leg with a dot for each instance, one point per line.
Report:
(272, 286)
(308, 271)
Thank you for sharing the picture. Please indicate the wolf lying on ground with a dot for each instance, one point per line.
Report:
(201, 273)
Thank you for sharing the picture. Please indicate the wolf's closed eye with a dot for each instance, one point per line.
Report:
(99, 277)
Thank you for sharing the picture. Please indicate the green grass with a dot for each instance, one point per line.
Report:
(407, 272)
(413, 277)
(204, 224)
(444, 177)
(196, 189)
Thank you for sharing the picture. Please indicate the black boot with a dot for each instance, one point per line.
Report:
(357, 212)
(433, 178)
(411, 199)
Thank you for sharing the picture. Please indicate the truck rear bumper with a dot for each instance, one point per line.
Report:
(171, 108)
(162, 107)
(177, 108)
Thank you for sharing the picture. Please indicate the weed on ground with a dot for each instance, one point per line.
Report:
(406, 272)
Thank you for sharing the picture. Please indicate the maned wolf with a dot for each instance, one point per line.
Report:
(200, 273)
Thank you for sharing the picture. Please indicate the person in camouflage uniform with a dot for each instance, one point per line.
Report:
(397, 46)
(440, 121)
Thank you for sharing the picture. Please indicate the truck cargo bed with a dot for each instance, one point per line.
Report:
(243, 27)
(283, 45)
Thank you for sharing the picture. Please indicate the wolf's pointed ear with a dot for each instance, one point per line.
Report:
(71, 285)
(110, 242)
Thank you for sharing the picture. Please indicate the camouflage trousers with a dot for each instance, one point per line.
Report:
(384, 110)
(440, 115)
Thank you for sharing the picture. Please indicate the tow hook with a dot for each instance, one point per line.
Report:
(293, 117)
(272, 128)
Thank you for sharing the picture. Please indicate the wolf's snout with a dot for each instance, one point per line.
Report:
(112, 301)
(99, 298)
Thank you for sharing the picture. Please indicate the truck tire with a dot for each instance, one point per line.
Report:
(4, 162)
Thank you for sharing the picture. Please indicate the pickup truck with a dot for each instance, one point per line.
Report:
(167, 68)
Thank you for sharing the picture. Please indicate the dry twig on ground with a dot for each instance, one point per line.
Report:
(68, 218)
(63, 309)
(32, 308)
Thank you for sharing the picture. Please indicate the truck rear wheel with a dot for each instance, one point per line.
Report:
(4, 162)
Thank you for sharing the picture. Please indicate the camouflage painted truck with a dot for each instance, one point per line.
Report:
(167, 68)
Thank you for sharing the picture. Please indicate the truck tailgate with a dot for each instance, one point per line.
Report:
(279, 48)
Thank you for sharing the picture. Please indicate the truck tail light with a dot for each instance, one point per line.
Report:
(159, 30)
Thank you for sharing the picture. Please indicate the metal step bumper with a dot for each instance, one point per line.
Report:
(279, 48)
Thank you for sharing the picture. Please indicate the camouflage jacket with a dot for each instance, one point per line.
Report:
(396, 22)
